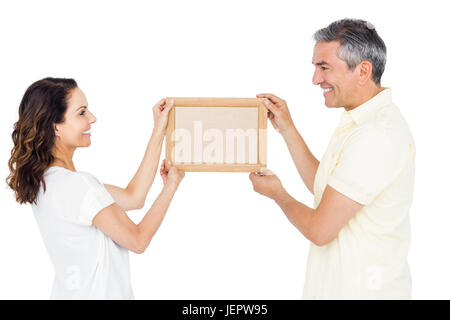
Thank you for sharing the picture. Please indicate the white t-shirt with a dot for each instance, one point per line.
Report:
(88, 264)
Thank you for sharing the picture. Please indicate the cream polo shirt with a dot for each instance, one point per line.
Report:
(370, 159)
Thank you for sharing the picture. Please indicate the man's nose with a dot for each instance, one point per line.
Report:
(317, 77)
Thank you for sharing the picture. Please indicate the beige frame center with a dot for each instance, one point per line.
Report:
(221, 116)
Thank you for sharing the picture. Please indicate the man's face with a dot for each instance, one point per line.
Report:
(333, 75)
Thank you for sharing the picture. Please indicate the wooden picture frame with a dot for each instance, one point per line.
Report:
(226, 113)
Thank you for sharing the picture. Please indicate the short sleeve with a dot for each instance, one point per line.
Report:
(94, 201)
(84, 196)
(369, 161)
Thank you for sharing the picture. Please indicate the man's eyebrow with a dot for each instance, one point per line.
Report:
(321, 63)
(81, 108)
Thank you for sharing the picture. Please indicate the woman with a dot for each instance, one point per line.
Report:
(82, 221)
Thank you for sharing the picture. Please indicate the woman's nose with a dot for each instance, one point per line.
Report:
(93, 118)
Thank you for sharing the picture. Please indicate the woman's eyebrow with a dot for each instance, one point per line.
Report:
(81, 108)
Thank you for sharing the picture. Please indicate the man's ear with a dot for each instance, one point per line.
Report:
(365, 72)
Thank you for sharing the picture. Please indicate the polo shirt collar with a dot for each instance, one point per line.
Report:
(360, 114)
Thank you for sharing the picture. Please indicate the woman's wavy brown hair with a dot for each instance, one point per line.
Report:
(43, 104)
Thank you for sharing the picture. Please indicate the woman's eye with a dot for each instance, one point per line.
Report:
(82, 112)
(323, 68)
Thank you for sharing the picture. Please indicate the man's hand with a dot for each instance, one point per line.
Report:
(278, 114)
(266, 183)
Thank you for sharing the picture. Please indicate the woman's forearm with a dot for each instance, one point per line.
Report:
(153, 218)
(144, 176)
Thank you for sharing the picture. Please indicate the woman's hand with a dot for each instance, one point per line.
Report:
(161, 114)
(170, 174)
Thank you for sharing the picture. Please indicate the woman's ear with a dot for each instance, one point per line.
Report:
(55, 127)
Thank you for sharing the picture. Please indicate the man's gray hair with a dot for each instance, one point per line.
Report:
(359, 41)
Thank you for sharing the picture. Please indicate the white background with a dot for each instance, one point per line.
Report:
(219, 239)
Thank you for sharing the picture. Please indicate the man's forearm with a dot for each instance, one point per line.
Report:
(143, 178)
(304, 160)
(297, 213)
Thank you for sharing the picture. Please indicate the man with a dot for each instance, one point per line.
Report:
(359, 225)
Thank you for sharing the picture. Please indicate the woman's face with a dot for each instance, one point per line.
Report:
(75, 130)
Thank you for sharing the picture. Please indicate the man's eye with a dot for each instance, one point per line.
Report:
(82, 112)
(324, 68)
